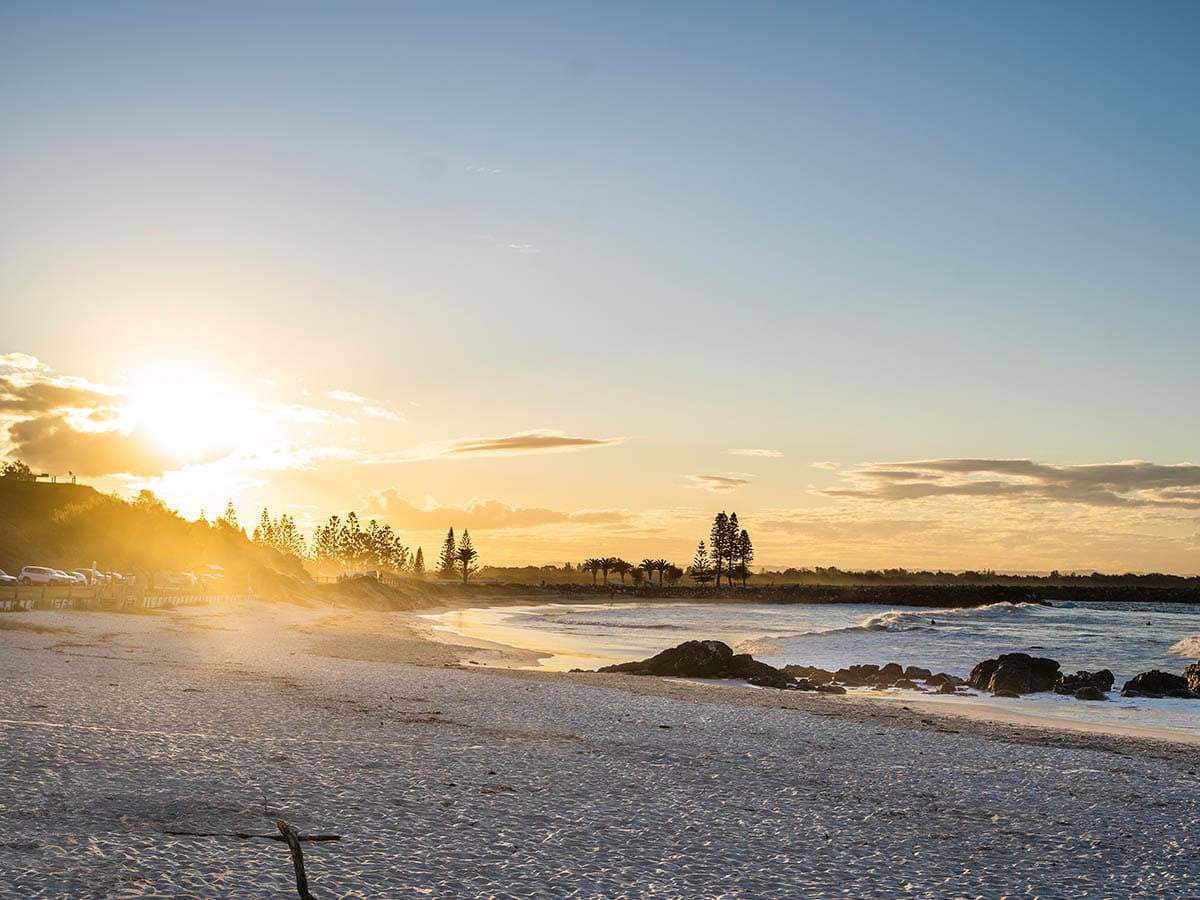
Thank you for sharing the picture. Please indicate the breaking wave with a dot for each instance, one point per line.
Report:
(1189, 646)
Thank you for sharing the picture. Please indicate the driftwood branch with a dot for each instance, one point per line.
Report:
(293, 842)
(246, 835)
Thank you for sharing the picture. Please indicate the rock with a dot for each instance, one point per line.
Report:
(889, 674)
(1005, 692)
(708, 659)
(1090, 692)
(916, 673)
(943, 678)
(831, 689)
(905, 683)
(947, 689)
(856, 675)
(1156, 683)
(1069, 684)
(1192, 675)
(812, 673)
(1018, 672)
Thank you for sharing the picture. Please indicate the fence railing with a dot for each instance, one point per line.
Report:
(19, 597)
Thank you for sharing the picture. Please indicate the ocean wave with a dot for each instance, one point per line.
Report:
(1189, 646)
(611, 622)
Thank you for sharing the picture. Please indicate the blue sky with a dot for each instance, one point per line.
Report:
(852, 232)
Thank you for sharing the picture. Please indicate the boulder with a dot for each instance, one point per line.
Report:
(889, 674)
(1156, 683)
(1069, 684)
(856, 676)
(916, 673)
(812, 673)
(710, 659)
(831, 689)
(1005, 692)
(943, 678)
(947, 689)
(905, 683)
(1192, 675)
(1017, 672)
(1090, 692)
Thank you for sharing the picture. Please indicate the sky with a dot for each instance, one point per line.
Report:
(902, 284)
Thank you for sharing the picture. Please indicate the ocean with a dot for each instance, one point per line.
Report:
(1127, 638)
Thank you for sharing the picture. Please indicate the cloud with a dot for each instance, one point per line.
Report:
(482, 170)
(766, 454)
(717, 484)
(346, 396)
(524, 443)
(1130, 484)
(478, 514)
(49, 442)
(514, 246)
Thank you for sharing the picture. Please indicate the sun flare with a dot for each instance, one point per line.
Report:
(193, 415)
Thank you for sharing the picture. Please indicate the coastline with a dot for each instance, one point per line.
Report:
(454, 779)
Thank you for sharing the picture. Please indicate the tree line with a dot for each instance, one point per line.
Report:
(728, 553)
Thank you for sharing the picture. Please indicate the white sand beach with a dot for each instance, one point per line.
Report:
(452, 779)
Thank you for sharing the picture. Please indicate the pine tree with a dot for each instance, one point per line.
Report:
(718, 542)
(418, 566)
(701, 570)
(745, 555)
(731, 542)
(466, 556)
(449, 558)
(264, 531)
(230, 519)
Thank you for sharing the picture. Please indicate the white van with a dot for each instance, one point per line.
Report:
(43, 575)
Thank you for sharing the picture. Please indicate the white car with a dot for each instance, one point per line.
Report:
(43, 575)
(93, 576)
(80, 576)
(5, 578)
(72, 578)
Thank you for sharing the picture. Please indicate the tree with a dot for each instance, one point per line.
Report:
(661, 565)
(449, 558)
(718, 541)
(229, 519)
(418, 566)
(466, 556)
(731, 539)
(745, 555)
(607, 564)
(648, 567)
(622, 568)
(264, 531)
(590, 565)
(17, 471)
(638, 576)
(672, 573)
(701, 570)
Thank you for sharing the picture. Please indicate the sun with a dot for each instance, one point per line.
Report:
(193, 415)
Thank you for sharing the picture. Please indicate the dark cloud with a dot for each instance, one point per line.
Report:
(33, 395)
(526, 442)
(1124, 484)
(479, 514)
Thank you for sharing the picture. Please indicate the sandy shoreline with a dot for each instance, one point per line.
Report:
(455, 780)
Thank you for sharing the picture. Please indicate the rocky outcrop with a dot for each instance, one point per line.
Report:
(1156, 683)
(916, 673)
(712, 659)
(1016, 672)
(1192, 676)
(1090, 692)
(1071, 684)
(811, 673)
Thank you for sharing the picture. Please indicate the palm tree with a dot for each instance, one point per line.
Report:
(661, 565)
(648, 566)
(622, 568)
(591, 565)
(607, 564)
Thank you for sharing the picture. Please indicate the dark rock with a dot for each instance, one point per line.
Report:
(905, 683)
(812, 673)
(916, 673)
(856, 675)
(1069, 684)
(1005, 692)
(708, 659)
(1155, 682)
(831, 689)
(1017, 672)
(1192, 675)
(889, 674)
(947, 689)
(1090, 692)
(943, 678)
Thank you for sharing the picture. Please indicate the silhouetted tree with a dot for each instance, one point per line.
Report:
(449, 558)
(672, 573)
(622, 568)
(745, 555)
(648, 567)
(229, 519)
(17, 471)
(466, 556)
(638, 576)
(607, 564)
(718, 542)
(418, 566)
(731, 539)
(701, 570)
(592, 565)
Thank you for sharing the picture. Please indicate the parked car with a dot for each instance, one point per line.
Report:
(5, 578)
(93, 576)
(81, 577)
(72, 578)
(43, 575)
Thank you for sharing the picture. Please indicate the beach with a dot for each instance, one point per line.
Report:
(451, 771)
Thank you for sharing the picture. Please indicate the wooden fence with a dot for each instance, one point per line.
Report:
(19, 597)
